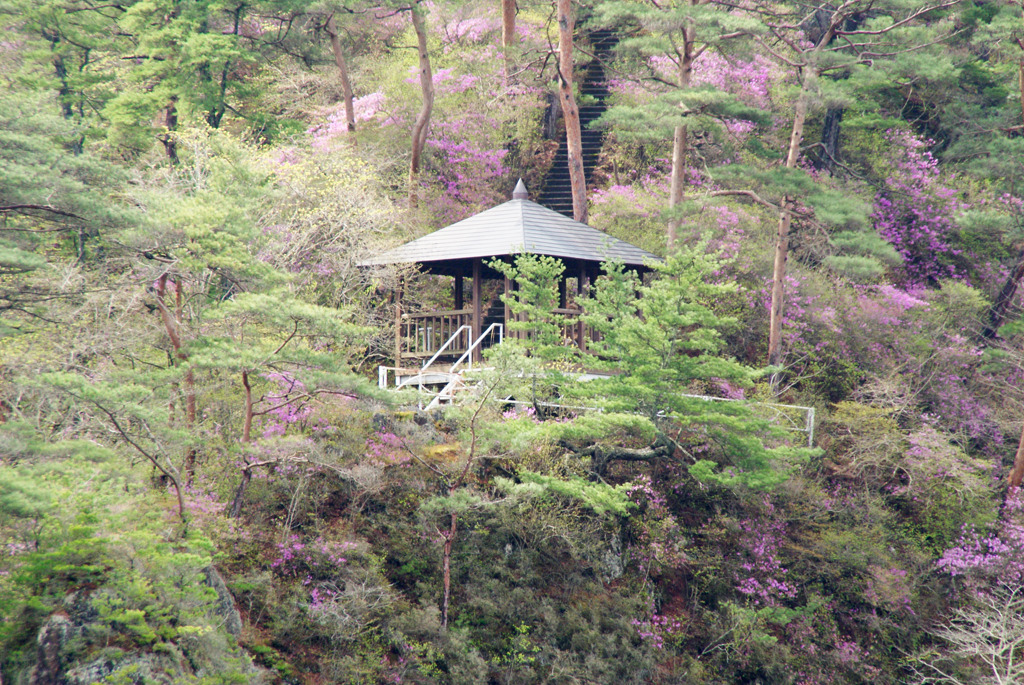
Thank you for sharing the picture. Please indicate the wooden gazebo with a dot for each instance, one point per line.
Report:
(462, 251)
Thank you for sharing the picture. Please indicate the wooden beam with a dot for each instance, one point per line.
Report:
(508, 310)
(398, 322)
(584, 290)
(477, 307)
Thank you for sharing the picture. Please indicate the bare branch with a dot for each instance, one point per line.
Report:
(42, 208)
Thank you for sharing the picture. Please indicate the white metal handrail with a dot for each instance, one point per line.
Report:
(469, 352)
(444, 347)
(808, 412)
(437, 354)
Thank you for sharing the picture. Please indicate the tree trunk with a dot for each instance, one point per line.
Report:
(346, 84)
(236, 503)
(190, 388)
(1020, 80)
(190, 382)
(172, 325)
(247, 425)
(419, 129)
(171, 124)
(64, 92)
(680, 141)
(508, 35)
(1017, 472)
(997, 314)
(446, 566)
(830, 139)
(782, 241)
(571, 111)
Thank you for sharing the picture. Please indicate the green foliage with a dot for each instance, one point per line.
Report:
(664, 343)
(53, 204)
(663, 336)
(103, 559)
(655, 119)
(584, 533)
(601, 498)
(934, 487)
(188, 57)
(533, 302)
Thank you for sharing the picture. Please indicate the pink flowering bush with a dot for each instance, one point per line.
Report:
(916, 212)
(287, 407)
(468, 175)
(761, 577)
(384, 448)
(658, 553)
(981, 558)
(310, 560)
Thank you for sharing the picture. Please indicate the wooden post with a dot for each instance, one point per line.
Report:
(584, 289)
(561, 291)
(459, 303)
(398, 322)
(508, 310)
(477, 307)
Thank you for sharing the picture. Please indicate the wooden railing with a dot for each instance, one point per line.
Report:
(423, 333)
(574, 332)
(573, 328)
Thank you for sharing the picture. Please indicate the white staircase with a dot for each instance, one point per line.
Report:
(451, 380)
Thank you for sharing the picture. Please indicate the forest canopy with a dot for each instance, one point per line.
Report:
(801, 456)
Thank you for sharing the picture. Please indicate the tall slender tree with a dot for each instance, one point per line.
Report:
(508, 36)
(331, 27)
(422, 123)
(810, 42)
(570, 109)
(680, 32)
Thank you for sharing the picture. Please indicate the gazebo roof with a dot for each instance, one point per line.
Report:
(517, 226)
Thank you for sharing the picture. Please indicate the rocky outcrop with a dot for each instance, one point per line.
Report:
(50, 643)
(64, 655)
(226, 608)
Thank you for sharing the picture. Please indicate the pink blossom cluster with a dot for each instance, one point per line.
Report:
(916, 213)
(312, 560)
(750, 81)
(285, 411)
(202, 502)
(467, 169)
(659, 544)
(798, 312)
(384, 448)
(997, 556)
(365, 108)
(319, 596)
(656, 628)
(728, 390)
(446, 81)
(729, 235)
(516, 412)
(761, 577)
(645, 194)
(471, 29)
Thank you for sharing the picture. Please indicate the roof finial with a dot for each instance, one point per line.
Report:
(520, 192)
